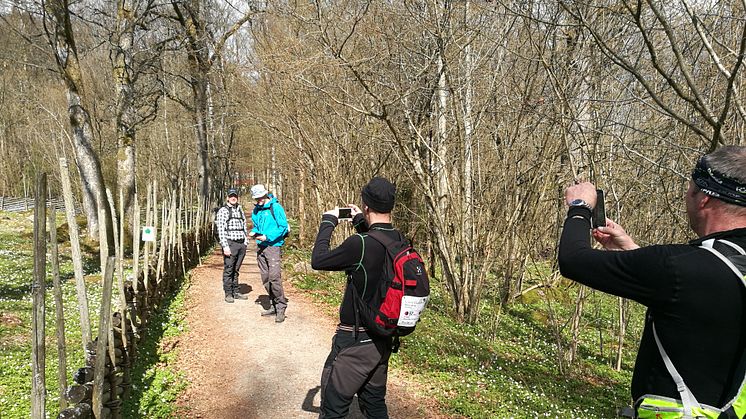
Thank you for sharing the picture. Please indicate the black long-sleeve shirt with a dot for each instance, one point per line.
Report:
(359, 255)
(697, 303)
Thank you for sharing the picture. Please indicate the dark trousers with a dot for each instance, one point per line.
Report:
(231, 266)
(355, 366)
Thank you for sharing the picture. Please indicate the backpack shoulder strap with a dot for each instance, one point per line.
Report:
(220, 208)
(687, 398)
(272, 211)
(734, 260)
(385, 240)
(239, 210)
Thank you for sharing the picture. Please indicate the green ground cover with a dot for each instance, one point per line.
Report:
(154, 385)
(506, 365)
(16, 276)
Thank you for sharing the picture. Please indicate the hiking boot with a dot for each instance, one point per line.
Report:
(239, 296)
(228, 298)
(280, 317)
(269, 312)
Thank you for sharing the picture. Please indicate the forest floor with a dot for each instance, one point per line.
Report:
(239, 364)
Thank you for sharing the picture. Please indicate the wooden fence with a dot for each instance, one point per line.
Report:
(103, 383)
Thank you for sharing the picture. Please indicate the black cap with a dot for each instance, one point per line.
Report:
(232, 191)
(379, 195)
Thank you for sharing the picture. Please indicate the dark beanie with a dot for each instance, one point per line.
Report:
(379, 195)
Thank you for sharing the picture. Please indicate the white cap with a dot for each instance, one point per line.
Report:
(258, 191)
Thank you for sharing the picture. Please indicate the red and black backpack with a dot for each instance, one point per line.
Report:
(402, 293)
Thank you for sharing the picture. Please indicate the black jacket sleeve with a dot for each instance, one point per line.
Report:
(642, 274)
(345, 257)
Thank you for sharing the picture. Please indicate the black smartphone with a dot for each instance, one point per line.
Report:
(345, 213)
(599, 212)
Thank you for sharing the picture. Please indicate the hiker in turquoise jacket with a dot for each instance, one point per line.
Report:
(270, 229)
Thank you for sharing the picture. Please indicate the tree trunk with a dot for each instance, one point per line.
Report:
(575, 324)
(62, 40)
(125, 112)
(623, 316)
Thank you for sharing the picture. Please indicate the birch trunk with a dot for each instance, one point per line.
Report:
(62, 40)
(125, 111)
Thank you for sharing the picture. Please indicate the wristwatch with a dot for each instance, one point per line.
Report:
(580, 203)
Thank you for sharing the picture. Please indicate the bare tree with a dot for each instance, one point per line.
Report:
(203, 51)
(662, 44)
(61, 37)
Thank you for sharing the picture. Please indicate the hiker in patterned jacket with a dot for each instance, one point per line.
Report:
(231, 226)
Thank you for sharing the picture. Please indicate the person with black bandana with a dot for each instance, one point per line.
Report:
(358, 361)
(692, 356)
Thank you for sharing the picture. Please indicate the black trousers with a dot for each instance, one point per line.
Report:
(231, 266)
(355, 366)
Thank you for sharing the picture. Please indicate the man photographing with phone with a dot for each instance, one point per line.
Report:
(358, 361)
(692, 356)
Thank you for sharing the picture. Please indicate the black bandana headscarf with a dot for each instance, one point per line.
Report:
(716, 184)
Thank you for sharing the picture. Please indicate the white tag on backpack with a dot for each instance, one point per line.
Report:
(411, 308)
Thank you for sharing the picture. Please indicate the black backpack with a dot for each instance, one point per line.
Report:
(402, 294)
(215, 233)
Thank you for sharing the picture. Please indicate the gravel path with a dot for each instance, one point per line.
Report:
(241, 365)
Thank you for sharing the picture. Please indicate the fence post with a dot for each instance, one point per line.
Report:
(59, 311)
(155, 220)
(25, 194)
(72, 224)
(146, 254)
(38, 380)
(104, 328)
(135, 251)
(126, 356)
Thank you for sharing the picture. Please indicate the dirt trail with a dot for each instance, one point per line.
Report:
(241, 365)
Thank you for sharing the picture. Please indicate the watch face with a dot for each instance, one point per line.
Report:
(579, 203)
